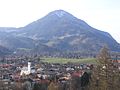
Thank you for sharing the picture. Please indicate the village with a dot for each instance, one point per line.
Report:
(31, 73)
(15, 72)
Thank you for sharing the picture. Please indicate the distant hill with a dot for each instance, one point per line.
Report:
(59, 31)
(4, 51)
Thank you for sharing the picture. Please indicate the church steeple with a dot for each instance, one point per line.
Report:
(29, 67)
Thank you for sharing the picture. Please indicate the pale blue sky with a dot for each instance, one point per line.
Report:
(100, 14)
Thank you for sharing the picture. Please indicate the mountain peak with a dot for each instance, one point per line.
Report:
(60, 13)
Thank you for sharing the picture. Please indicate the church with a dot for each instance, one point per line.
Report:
(26, 70)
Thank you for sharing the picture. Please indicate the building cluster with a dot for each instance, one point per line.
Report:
(17, 72)
(23, 73)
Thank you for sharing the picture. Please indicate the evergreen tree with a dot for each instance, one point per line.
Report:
(106, 75)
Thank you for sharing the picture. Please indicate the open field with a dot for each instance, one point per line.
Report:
(65, 60)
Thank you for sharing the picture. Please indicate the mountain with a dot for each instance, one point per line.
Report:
(58, 31)
(56, 23)
(66, 32)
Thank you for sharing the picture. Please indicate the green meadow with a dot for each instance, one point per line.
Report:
(66, 60)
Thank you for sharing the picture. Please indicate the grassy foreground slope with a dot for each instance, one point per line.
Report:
(65, 60)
